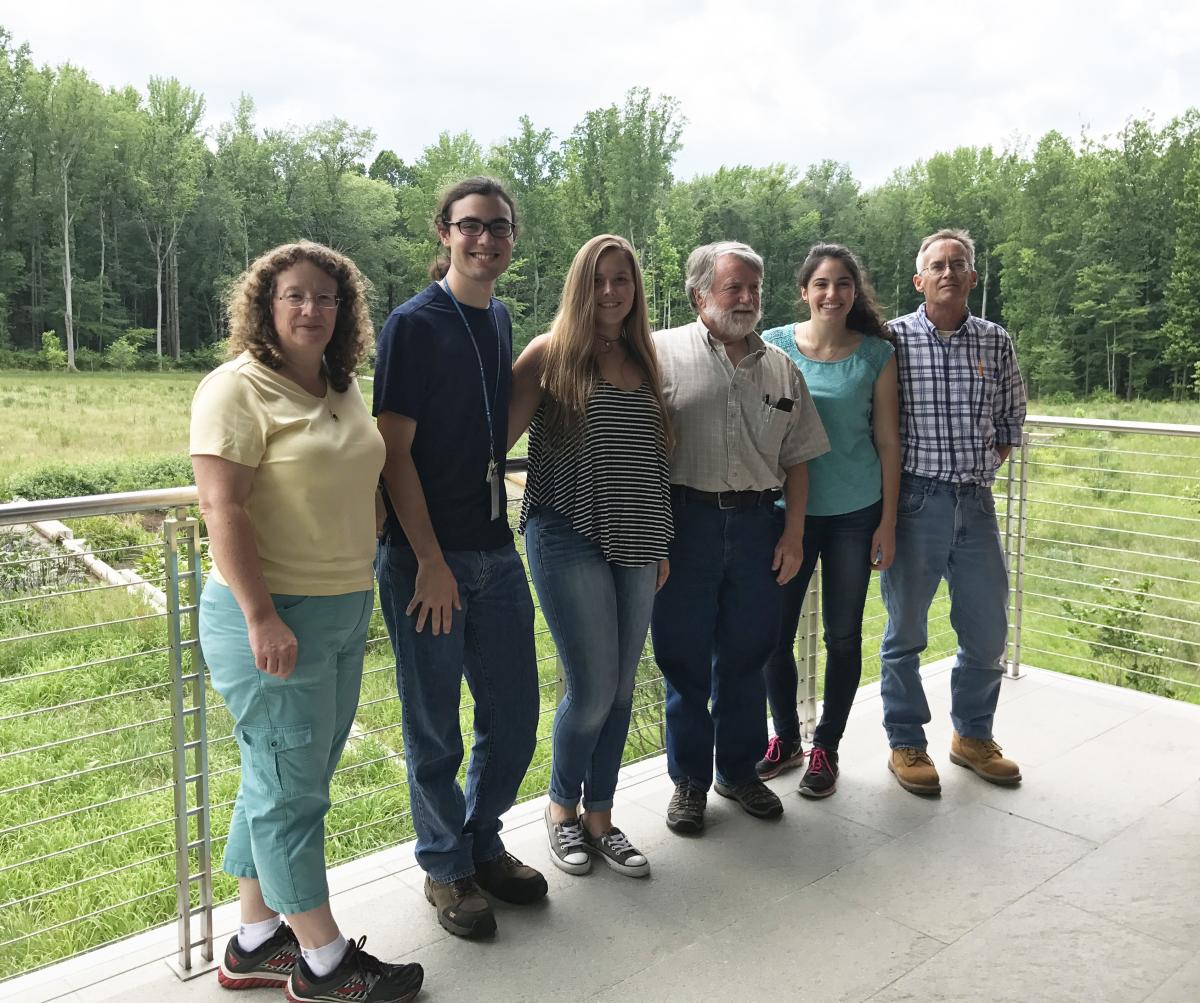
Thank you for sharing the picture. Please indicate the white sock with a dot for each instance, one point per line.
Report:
(323, 960)
(252, 936)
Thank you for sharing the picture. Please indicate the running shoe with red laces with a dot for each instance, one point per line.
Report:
(779, 756)
(267, 967)
(359, 978)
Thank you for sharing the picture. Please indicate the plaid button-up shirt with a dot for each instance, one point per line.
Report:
(960, 398)
(737, 428)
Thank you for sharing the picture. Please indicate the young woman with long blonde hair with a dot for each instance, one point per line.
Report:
(597, 522)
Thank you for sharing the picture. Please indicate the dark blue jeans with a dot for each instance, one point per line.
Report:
(491, 640)
(714, 624)
(843, 543)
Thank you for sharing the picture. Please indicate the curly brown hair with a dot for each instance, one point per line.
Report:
(249, 304)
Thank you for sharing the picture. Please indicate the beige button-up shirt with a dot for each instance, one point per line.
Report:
(733, 430)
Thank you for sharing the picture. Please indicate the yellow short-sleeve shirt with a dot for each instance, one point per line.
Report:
(317, 463)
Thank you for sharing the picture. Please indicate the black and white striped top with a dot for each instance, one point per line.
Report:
(608, 475)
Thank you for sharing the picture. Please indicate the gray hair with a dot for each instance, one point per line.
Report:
(962, 236)
(702, 264)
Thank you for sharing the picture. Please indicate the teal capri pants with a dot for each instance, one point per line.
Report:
(290, 733)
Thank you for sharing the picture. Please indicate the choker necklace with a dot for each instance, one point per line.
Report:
(606, 344)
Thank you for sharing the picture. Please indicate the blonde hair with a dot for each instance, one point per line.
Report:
(570, 372)
(251, 316)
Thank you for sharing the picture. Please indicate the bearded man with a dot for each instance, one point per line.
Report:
(745, 427)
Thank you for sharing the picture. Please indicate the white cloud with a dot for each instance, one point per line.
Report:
(872, 83)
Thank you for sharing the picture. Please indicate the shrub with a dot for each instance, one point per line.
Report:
(121, 354)
(88, 359)
(72, 480)
(52, 352)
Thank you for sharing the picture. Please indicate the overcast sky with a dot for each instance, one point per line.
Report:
(874, 84)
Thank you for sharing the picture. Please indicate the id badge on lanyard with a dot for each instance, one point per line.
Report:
(493, 468)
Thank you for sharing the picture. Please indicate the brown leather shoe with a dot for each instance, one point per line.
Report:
(510, 880)
(985, 758)
(461, 908)
(914, 771)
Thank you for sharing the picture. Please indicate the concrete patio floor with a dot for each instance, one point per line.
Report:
(1081, 884)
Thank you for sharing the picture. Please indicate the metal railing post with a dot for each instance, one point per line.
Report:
(189, 729)
(807, 651)
(1015, 548)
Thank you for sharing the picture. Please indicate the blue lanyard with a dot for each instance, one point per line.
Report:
(487, 404)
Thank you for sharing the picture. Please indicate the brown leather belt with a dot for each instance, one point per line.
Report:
(727, 499)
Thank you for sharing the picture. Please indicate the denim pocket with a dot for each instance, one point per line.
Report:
(987, 501)
(274, 755)
(911, 502)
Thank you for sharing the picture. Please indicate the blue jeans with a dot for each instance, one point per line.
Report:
(714, 624)
(946, 531)
(843, 543)
(290, 733)
(598, 614)
(491, 640)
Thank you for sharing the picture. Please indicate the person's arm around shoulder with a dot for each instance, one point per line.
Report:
(885, 430)
(526, 387)
(435, 596)
(224, 488)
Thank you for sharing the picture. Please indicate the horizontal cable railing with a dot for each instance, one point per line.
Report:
(117, 766)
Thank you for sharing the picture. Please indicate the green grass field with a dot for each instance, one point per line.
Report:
(1112, 583)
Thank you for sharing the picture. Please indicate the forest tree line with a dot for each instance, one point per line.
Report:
(122, 223)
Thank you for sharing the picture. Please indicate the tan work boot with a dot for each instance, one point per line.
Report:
(984, 757)
(914, 771)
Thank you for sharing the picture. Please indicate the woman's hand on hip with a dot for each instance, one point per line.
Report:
(273, 645)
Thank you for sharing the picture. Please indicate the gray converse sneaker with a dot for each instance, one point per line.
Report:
(567, 847)
(614, 848)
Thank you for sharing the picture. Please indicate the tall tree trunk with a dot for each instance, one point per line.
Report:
(176, 339)
(158, 290)
(102, 249)
(987, 268)
(68, 306)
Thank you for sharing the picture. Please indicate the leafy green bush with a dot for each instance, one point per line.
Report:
(88, 360)
(71, 480)
(53, 353)
(121, 354)
(19, 358)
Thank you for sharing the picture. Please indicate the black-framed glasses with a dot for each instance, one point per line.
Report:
(959, 266)
(322, 301)
(471, 227)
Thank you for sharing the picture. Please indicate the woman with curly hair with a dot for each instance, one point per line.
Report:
(287, 461)
(845, 354)
(597, 521)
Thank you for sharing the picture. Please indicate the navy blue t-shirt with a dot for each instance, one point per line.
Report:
(426, 370)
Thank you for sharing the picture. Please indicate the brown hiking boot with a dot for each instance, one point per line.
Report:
(985, 758)
(509, 880)
(461, 908)
(914, 771)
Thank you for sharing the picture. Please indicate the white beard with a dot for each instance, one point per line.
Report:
(728, 325)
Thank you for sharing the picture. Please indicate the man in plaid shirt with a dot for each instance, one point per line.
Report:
(962, 405)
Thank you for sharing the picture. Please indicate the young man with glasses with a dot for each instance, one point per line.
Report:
(451, 585)
(962, 405)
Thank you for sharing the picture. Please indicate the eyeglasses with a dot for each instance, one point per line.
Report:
(323, 301)
(959, 266)
(470, 227)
